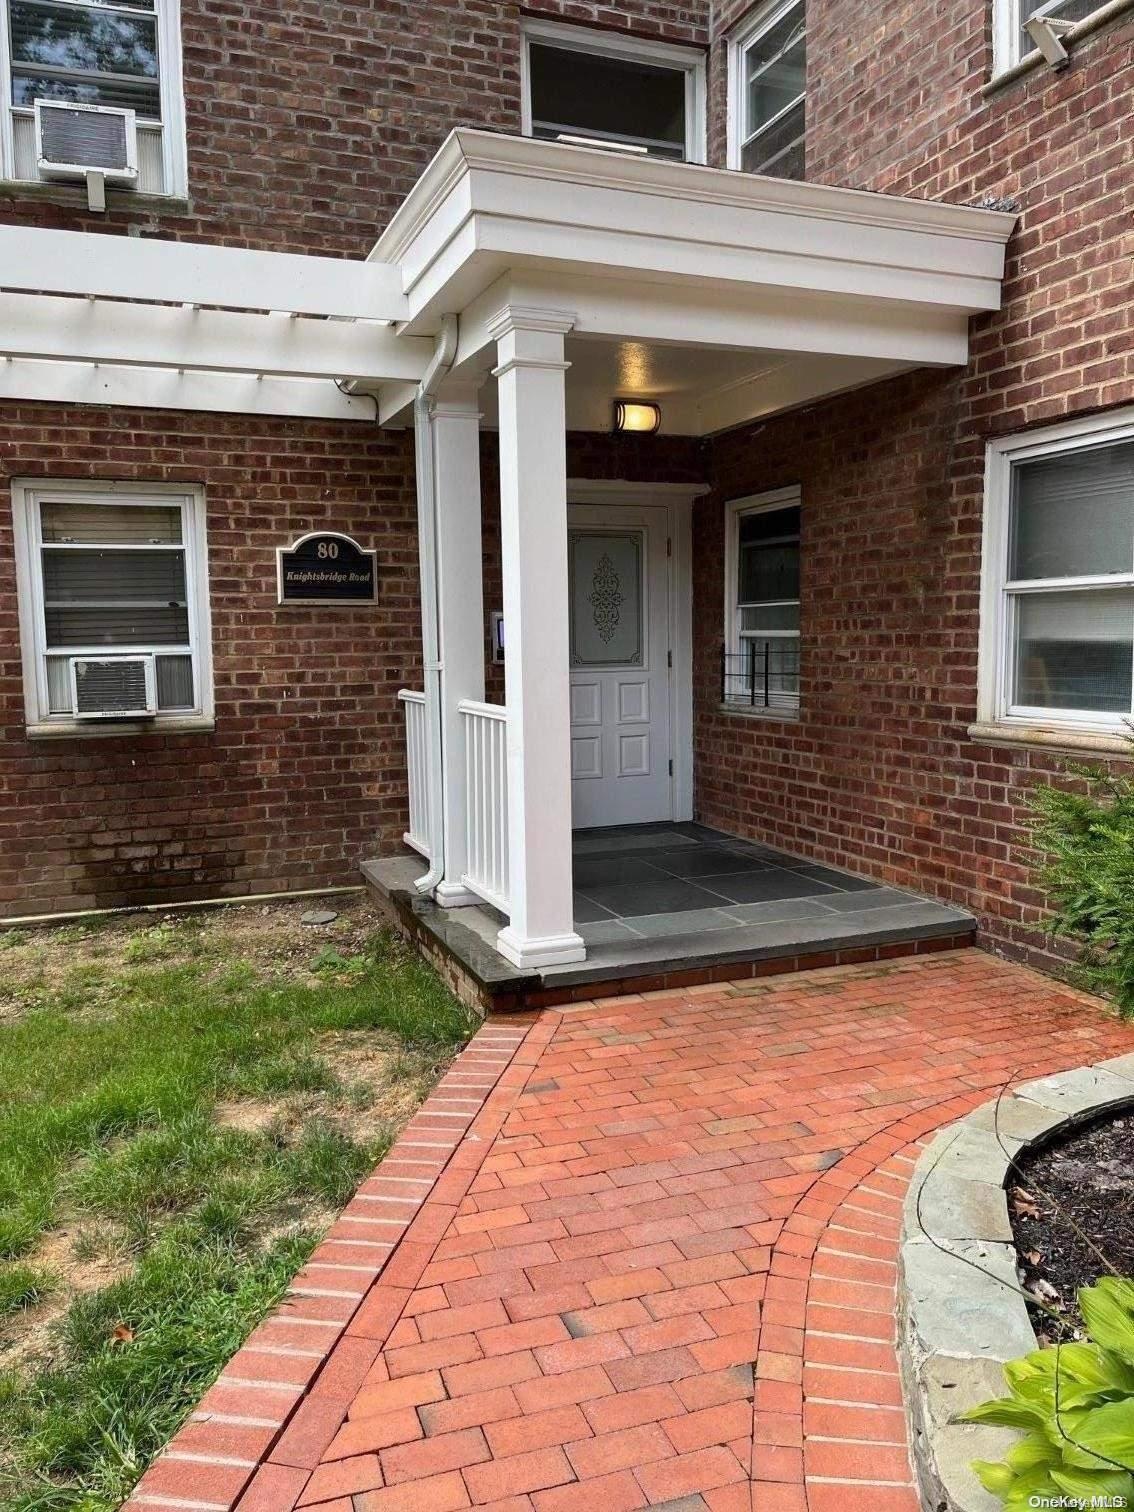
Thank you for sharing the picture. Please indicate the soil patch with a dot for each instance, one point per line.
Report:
(1072, 1209)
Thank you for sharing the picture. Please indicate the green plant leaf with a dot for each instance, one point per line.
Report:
(1032, 1453)
(1108, 1311)
(1025, 1488)
(1005, 1412)
(994, 1476)
(1106, 1431)
(1116, 1485)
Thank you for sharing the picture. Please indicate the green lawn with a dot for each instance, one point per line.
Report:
(183, 1107)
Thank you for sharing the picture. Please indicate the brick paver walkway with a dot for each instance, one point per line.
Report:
(658, 1267)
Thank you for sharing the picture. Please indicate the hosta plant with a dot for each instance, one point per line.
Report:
(1075, 1406)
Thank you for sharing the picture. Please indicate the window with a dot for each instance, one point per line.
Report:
(767, 92)
(121, 53)
(108, 572)
(1012, 42)
(1057, 646)
(762, 563)
(647, 98)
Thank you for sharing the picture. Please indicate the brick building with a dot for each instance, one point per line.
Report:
(862, 589)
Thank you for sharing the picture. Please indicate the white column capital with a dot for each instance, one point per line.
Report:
(529, 338)
(530, 318)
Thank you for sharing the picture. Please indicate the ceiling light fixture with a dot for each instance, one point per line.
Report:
(636, 416)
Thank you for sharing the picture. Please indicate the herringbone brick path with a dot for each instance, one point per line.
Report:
(658, 1269)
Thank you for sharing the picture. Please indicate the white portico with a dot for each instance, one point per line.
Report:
(525, 285)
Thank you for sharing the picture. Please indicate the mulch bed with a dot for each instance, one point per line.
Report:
(1072, 1209)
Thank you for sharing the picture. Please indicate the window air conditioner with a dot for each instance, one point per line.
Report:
(113, 687)
(95, 143)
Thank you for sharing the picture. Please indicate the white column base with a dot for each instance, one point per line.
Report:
(531, 955)
(453, 895)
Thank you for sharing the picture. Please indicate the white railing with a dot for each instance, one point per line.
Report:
(419, 828)
(486, 790)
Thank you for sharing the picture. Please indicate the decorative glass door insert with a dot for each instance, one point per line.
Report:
(607, 598)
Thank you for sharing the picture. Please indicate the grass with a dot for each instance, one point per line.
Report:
(183, 1108)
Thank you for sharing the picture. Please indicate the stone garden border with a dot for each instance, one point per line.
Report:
(957, 1326)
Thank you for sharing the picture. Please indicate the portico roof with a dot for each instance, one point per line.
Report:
(800, 289)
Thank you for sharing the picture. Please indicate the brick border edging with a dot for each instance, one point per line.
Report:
(800, 1402)
(951, 1359)
(259, 1431)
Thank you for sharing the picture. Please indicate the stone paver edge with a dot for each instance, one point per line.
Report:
(961, 1314)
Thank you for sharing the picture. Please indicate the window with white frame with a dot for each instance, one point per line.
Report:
(762, 572)
(125, 54)
(1012, 42)
(642, 97)
(114, 614)
(1057, 645)
(767, 91)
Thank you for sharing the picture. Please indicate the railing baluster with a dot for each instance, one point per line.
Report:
(486, 839)
(418, 834)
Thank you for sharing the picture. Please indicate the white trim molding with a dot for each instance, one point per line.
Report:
(27, 496)
(999, 716)
(565, 37)
(634, 232)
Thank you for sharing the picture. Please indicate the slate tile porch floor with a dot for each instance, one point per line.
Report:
(652, 881)
(664, 893)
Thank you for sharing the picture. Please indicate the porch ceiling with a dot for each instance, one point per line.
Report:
(699, 389)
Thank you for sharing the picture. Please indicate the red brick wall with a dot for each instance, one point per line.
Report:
(879, 773)
(304, 775)
(307, 125)
(305, 772)
(309, 122)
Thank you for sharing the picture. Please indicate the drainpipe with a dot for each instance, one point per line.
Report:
(439, 365)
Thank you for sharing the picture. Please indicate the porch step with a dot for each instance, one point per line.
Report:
(459, 943)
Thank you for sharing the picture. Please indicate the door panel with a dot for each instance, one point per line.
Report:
(620, 699)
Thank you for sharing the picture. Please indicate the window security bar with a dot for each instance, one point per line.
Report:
(764, 675)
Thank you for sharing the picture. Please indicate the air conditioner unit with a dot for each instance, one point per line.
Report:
(113, 687)
(80, 141)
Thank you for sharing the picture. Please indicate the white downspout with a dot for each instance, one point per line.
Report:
(440, 364)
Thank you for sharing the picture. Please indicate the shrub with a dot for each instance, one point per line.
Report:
(1075, 1405)
(1086, 841)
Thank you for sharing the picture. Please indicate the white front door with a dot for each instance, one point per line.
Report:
(621, 756)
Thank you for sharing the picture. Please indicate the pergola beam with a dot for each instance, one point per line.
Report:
(43, 326)
(179, 272)
(168, 389)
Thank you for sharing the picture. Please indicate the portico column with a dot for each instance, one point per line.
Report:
(533, 527)
(460, 604)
